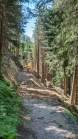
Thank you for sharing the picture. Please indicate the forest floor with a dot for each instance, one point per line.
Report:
(43, 115)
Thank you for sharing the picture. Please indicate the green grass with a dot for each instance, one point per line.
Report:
(9, 111)
(70, 115)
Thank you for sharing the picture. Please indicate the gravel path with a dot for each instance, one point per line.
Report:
(44, 118)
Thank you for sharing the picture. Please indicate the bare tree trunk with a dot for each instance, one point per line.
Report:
(74, 86)
(44, 71)
(43, 65)
(65, 83)
(38, 59)
(65, 86)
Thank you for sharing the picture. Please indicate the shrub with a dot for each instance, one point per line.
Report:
(9, 111)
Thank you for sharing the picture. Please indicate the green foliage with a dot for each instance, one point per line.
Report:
(4, 70)
(8, 132)
(15, 87)
(70, 115)
(26, 49)
(59, 23)
(9, 111)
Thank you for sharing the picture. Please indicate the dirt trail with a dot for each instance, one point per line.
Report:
(44, 117)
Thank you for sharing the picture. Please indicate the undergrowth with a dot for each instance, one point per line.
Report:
(9, 111)
(70, 115)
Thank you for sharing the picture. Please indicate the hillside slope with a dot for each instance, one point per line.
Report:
(11, 68)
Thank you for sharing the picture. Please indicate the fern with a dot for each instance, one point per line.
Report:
(9, 110)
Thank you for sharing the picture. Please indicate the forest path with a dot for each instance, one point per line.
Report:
(44, 117)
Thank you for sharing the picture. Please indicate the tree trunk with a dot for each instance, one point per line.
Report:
(42, 65)
(38, 60)
(74, 86)
(65, 82)
(65, 86)
(45, 71)
(1, 38)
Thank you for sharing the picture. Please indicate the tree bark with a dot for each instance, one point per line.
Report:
(74, 86)
(1, 37)
(65, 82)
(38, 59)
(42, 65)
(65, 86)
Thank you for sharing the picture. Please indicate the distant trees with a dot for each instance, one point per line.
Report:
(40, 42)
(26, 50)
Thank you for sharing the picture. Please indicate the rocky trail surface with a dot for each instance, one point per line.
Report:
(43, 115)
